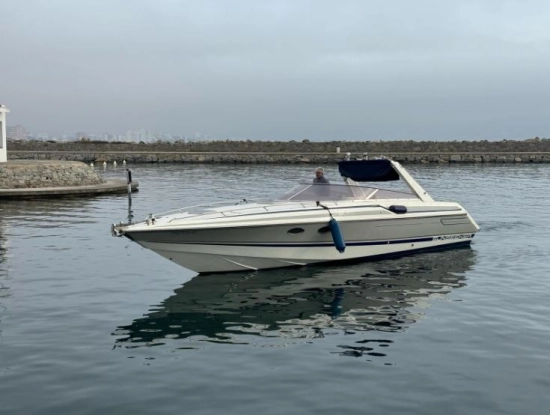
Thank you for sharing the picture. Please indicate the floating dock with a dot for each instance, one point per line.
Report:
(110, 186)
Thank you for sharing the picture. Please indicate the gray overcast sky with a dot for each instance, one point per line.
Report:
(294, 69)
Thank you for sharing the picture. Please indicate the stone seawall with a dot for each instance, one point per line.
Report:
(528, 151)
(534, 145)
(42, 174)
(275, 158)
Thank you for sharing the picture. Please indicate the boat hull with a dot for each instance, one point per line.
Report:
(207, 258)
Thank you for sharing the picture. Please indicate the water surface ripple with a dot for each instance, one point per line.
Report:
(94, 324)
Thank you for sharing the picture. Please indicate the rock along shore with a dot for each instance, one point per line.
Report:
(30, 179)
(528, 151)
(27, 174)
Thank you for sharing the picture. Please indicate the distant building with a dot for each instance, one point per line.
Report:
(80, 135)
(17, 132)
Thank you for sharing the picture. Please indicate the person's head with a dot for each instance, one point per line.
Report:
(319, 172)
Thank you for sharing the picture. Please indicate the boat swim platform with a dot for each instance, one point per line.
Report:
(110, 186)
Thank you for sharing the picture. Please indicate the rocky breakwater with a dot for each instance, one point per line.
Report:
(534, 150)
(42, 174)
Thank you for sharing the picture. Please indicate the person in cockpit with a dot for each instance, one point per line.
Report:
(320, 176)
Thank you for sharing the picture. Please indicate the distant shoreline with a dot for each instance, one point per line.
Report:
(252, 152)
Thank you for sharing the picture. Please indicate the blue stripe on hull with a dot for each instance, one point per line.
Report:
(400, 254)
(454, 245)
(324, 244)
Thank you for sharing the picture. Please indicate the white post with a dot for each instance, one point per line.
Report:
(3, 149)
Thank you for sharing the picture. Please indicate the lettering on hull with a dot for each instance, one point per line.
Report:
(454, 237)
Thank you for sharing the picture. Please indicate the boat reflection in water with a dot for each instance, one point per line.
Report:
(303, 303)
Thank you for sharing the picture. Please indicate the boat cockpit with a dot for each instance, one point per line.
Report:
(335, 192)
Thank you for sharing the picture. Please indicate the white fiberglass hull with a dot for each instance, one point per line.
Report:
(297, 230)
(205, 258)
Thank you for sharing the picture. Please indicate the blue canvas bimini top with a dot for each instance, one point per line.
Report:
(368, 170)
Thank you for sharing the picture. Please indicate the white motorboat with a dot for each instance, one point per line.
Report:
(312, 223)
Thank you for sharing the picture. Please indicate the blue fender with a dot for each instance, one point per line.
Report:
(337, 237)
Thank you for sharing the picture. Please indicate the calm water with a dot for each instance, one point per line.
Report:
(94, 324)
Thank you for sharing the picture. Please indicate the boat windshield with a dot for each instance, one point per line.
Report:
(333, 192)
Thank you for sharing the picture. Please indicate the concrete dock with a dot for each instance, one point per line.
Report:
(110, 186)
